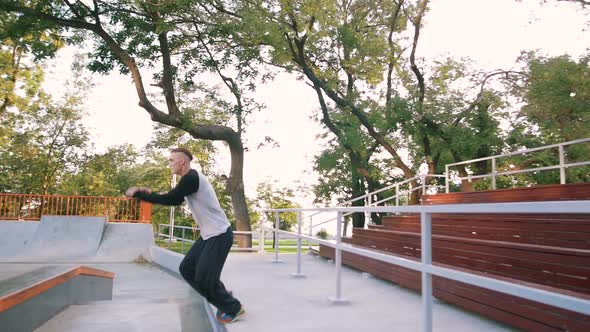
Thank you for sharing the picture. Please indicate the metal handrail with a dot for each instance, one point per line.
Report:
(396, 196)
(183, 239)
(425, 266)
(562, 164)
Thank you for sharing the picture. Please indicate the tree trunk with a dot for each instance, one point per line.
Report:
(358, 218)
(373, 186)
(235, 186)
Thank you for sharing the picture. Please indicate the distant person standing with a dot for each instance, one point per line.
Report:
(202, 265)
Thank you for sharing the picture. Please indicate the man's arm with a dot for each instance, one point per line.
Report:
(188, 184)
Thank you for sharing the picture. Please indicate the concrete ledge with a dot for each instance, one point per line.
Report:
(29, 300)
(170, 261)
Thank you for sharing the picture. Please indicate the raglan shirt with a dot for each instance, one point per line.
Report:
(197, 191)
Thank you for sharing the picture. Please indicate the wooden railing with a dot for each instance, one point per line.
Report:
(32, 207)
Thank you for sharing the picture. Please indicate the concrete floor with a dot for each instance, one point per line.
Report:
(274, 301)
(147, 298)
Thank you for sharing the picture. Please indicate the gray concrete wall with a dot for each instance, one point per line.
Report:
(74, 239)
(123, 242)
(15, 236)
(66, 238)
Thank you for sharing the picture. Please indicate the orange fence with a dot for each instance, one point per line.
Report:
(32, 207)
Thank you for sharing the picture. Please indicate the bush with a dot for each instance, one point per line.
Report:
(322, 234)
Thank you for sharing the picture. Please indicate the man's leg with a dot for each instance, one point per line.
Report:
(208, 273)
(188, 265)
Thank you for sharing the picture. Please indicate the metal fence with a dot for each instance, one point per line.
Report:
(31, 207)
(562, 167)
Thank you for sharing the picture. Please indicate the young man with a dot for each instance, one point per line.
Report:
(202, 265)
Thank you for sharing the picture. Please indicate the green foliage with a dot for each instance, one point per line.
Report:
(557, 97)
(269, 197)
(322, 234)
(41, 140)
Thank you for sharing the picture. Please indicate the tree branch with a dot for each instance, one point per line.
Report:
(480, 94)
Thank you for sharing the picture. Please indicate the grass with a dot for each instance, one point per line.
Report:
(287, 246)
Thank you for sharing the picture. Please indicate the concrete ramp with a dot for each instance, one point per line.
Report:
(66, 238)
(124, 242)
(15, 237)
(74, 239)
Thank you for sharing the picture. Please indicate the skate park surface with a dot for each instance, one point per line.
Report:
(149, 295)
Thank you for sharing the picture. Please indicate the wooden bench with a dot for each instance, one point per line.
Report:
(545, 251)
(554, 192)
(30, 299)
(567, 231)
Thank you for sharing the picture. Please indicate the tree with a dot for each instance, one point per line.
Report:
(104, 174)
(269, 197)
(357, 58)
(557, 97)
(42, 140)
(132, 35)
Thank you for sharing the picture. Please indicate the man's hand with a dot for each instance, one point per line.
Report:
(132, 190)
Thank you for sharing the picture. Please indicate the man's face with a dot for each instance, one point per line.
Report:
(176, 162)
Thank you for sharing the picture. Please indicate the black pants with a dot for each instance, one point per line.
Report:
(201, 268)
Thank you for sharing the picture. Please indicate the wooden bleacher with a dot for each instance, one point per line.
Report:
(545, 251)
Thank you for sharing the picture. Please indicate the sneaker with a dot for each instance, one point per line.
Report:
(219, 313)
(227, 318)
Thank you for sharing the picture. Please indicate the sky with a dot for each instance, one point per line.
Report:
(490, 32)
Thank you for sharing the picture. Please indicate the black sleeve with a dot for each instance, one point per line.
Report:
(187, 185)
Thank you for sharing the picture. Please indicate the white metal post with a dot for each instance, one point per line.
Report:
(182, 244)
(397, 195)
(298, 274)
(447, 179)
(338, 260)
(276, 233)
(562, 178)
(493, 173)
(261, 239)
(171, 220)
(426, 249)
(310, 230)
(370, 203)
(423, 184)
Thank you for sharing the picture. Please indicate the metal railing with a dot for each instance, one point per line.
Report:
(369, 197)
(563, 165)
(183, 239)
(425, 266)
(32, 207)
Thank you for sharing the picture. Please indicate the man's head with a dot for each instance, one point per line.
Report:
(180, 161)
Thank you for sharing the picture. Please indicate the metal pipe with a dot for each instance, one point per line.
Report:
(298, 274)
(338, 261)
(494, 173)
(562, 178)
(426, 250)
